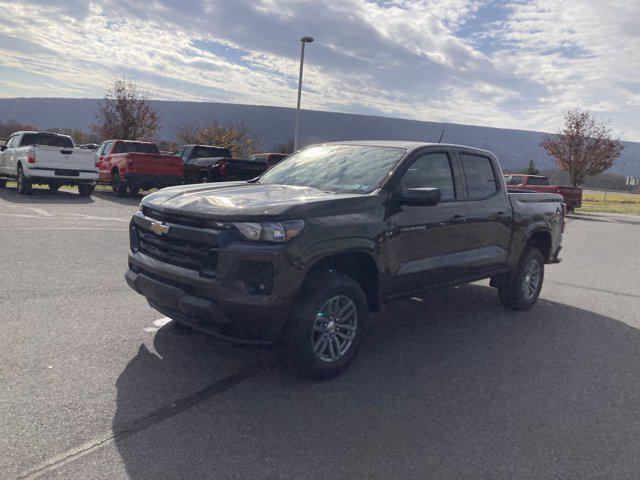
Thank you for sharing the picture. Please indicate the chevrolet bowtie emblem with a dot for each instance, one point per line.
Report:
(159, 228)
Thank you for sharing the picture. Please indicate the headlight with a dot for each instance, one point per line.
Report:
(278, 232)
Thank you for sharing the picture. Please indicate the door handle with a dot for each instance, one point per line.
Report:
(457, 219)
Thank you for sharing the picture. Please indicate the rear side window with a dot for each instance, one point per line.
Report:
(479, 176)
(135, 147)
(432, 170)
(513, 179)
(209, 152)
(537, 181)
(46, 139)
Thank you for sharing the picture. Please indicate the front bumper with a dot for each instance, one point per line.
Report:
(224, 301)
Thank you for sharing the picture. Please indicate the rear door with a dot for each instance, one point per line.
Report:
(426, 245)
(487, 214)
(102, 161)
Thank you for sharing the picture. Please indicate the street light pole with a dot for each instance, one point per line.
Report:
(303, 40)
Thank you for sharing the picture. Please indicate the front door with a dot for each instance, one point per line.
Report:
(425, 245)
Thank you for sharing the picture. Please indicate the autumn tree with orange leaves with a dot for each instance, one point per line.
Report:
(583, 147)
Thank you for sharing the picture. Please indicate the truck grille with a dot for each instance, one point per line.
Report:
(191, 255)
(197, 222)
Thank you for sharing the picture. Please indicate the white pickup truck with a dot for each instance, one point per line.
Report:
(49, 159)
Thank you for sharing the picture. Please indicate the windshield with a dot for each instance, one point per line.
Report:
(48, 139)
(336, 168)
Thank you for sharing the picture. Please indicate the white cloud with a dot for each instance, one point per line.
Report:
(517, 65)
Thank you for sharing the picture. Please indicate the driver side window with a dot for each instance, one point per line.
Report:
(432, 170)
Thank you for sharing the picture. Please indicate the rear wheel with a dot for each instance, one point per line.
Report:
(119, 186)
(325, 330)
(86, 189)
(520, 289)
(24, 183)
(134, 190)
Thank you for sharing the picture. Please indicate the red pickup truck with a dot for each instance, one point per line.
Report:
(134, 166)
(538, 183)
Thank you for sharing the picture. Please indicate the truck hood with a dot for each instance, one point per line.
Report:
(242, 200)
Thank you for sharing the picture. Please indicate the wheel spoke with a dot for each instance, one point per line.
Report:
(332, 351)
(320, 345)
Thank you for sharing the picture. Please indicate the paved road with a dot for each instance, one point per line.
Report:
(96, 384)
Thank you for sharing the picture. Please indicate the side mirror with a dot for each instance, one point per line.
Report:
(420, 196)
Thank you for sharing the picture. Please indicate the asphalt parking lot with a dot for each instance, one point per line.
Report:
(96, 384)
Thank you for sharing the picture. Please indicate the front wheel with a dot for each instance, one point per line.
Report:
(325, 330)
(24, 183)
(520, 289)
(86, 189)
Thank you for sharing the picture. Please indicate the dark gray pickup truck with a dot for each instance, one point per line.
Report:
(301, 255)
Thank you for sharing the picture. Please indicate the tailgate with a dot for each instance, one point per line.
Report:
(155, 164)
(244, 169)
(60, 158)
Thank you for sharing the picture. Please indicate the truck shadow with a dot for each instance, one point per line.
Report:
(132, 200)
(455, 387)
(43, 196)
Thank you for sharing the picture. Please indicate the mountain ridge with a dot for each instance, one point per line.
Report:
(274, 126)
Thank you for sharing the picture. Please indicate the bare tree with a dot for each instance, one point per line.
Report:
(126, 113)
(235, 136)
(583, 147)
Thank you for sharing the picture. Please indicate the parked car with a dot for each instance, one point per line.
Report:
(134, 166)
(302, 254)
(48, 159)
(203, 163)
(539, 183)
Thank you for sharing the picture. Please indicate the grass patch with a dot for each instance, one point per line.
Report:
(626, 203)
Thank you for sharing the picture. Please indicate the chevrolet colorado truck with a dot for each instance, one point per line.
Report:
(302, 254)
(49, 159)
(134, 166)
(538, 183)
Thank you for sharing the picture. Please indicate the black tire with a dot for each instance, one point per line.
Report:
(119, 187)
(306, 327)
(24, 184)
(3, 183)
(54, 187)
(181, 328)
(86, 189)
(134, 190)
(513, 291)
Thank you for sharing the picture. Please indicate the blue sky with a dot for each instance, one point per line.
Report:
(516, 64)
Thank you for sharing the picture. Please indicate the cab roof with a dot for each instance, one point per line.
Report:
(408, 145)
